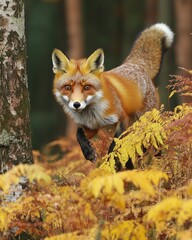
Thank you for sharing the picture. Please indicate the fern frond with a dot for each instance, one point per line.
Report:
(76, 235)
(4, 220)
(163, 212)
(184, 235)
(69, 236)
(181, 84)
(185, 214)
(122, 230)
(125, 230)
(171, 213)
(32, 172)
(146, 132)
(106, 186)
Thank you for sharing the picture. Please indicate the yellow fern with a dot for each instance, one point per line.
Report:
(180, 111)
(126, 230)
(32, 172)
(76, 235)
(184, 235)
(164, 212)
(70, 236)
(185, 214)
(170, 215)
(112, 186)
(9, 212)
(4, 220)
(147, 131)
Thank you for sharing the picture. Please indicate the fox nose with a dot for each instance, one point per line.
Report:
(76, 105)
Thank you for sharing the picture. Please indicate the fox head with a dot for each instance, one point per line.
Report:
(76, 82)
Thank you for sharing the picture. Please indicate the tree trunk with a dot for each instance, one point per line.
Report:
(75, 42)
(183, 14)
(165, 16)
(151, 7)
(15, 133)
(183, 48)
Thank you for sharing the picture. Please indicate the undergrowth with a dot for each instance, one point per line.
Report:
(66, 197)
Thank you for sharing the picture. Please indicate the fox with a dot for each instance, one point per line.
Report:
(95, 98)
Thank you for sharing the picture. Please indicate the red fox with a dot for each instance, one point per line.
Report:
(95, 98)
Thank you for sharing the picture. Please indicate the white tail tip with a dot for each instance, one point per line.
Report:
(169, 35)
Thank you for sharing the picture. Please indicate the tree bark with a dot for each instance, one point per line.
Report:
(75, 43)
(183, 48)
(183, 14)
(165, 16)
(151, 15)
(15, 132)
(74, 28)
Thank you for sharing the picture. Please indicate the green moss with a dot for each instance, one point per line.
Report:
(4, 138)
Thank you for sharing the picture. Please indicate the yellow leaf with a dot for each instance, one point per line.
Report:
(172, 93)
(114, 183)
(95, 186)
(163, 212)
(118, 184)
(154, 142)
(32, 172)
(4, 220)
(185, 214)
(184, 235)
(139, 149)
(124, 230)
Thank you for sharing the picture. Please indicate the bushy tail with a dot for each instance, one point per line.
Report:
(149, 48)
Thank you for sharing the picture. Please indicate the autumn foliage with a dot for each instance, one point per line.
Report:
(64, 196)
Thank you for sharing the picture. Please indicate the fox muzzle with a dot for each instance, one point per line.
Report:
(76, 105)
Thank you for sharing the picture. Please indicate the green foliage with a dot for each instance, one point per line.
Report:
(66, 197)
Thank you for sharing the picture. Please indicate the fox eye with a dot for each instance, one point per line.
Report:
(67, 87)
(87, 87)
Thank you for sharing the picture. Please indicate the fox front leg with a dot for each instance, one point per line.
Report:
(86, 147)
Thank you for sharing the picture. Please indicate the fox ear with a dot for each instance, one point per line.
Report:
(96, 60)
(60, 61)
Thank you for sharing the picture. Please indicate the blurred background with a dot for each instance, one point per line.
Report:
(78, 27)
